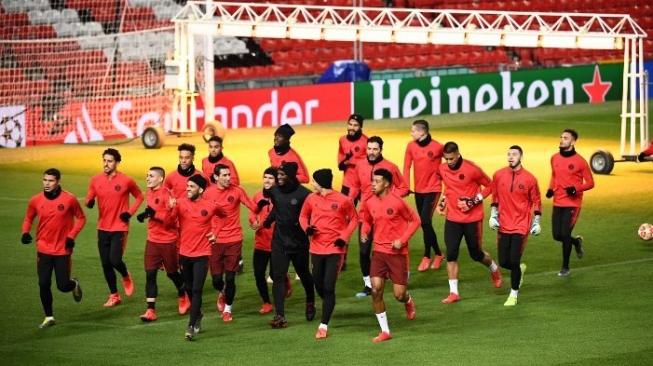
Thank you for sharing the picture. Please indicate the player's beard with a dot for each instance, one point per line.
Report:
(354, 135)
(515, 165)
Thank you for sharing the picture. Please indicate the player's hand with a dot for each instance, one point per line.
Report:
(149, 211)
(91, 203)
(494, 218)
(70, 243)
(172, 202)
(342, 166)
(26, 238)
(396, 244)
(441, 207)
(549, 193)
(364, 239)
(262, 203)
(467, 203)
(311, 230)
(125, 216)
(348, 156)
(571, 191)
(267, 223)
(536, 229)
(340, 243)
(141, 216)
(255, 225)
(211, 238)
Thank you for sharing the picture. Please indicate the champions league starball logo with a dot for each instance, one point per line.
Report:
(12, 127)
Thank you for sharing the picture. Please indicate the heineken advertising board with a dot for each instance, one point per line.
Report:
(405, 98)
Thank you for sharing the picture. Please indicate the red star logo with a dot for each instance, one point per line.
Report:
(597, 89)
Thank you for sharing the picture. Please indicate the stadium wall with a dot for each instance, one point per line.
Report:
(126, 117)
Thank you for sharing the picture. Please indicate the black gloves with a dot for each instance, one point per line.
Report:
(125, 216)
(70, 243)
(471, 202)
(26, 238)
(262, 203)
(91, 203)
(148, 213)
(267, 223)
(342, 166)
(340, 243)
(571, 191)
(641, 157)
(549, 193)
(311, 230)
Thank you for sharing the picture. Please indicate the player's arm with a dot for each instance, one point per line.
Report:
(138, 197)
(493, 222)
(414, 222)
(272, 216)
(485, 182)
(536, 201)
(400, 187)
(355, 188)
(408, 162)
(235, 178)
(302, 172)
(29, 218)
(366, 220)
(352, 219)
(588, 179)
(79, 217)
(342, 162)
(89, 200)
(305, 214)
(244, 199)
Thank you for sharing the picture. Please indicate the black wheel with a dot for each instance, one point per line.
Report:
(153, 137)
(213, 128)
(602, 162)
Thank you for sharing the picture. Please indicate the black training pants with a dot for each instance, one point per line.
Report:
(325, 274)
(425, 204)
(194, 270)
(511, 247)
(563, 220)
(111, 245)
(45, 265)
(261, 260)
(280, 261)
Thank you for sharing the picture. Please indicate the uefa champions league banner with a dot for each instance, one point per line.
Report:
(406, 98)
(12, 126)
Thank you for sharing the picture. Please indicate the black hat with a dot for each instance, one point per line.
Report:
(285, 130)
(323, 177)
(358, 118)
(199, 180)
(290, 168)
(270, 171)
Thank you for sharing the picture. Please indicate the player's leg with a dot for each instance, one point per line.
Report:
(216, 265)
(104, 248)
(300, 262)
(331, 265)
(200, 267)
(378, 286)
(44, 268)
(437, 259)
(557, 223)
(576, 241)
(318, 264)
(279, 263)
(425, 204)
(565, 222)
(453, 234)
(152, 263)
(398, 273)
(118, 245)
(171, 265)
(517, 244)
(231, 260)
(260, 262)
(473, 233)
(364, 253)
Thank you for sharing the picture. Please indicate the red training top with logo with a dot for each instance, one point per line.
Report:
(162, 228)
(358, 150)
(208, 169)
(572, 171)
(425, 161)
(464, 182)
(392, 219)
(112, 193)
(195, 223)
(59, 219)
(277, 160)
(262, 236)
(333, 216)
(176, 183)
(517, 196)
(229, 199)
(363, 180)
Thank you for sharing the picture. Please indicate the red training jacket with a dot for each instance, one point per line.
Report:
(208, 168)
(112, 193)
(262, 236)
(363, 179)
(277, 160)
(195, 223)
(392, 219)
(517, 196)
(358, 149)
(59, 219)
(465, 181)
(566, 172)
(161, 228)
(176, 183)
(229, 199)
(333, 216)
(426, 161)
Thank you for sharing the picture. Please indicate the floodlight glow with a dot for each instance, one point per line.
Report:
(559, 41)
(270, 30)
(236, 29)
(418, 36)
(340, 34)
(596, 43)
(377, 34)
(483, 38)
(451, 37)
(520, 40)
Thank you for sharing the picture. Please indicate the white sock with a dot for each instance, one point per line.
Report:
(368, 281)
(453, 286)
(383, 322)
(323, 326)
(493, 266)
(227, 308)
(514, 293)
